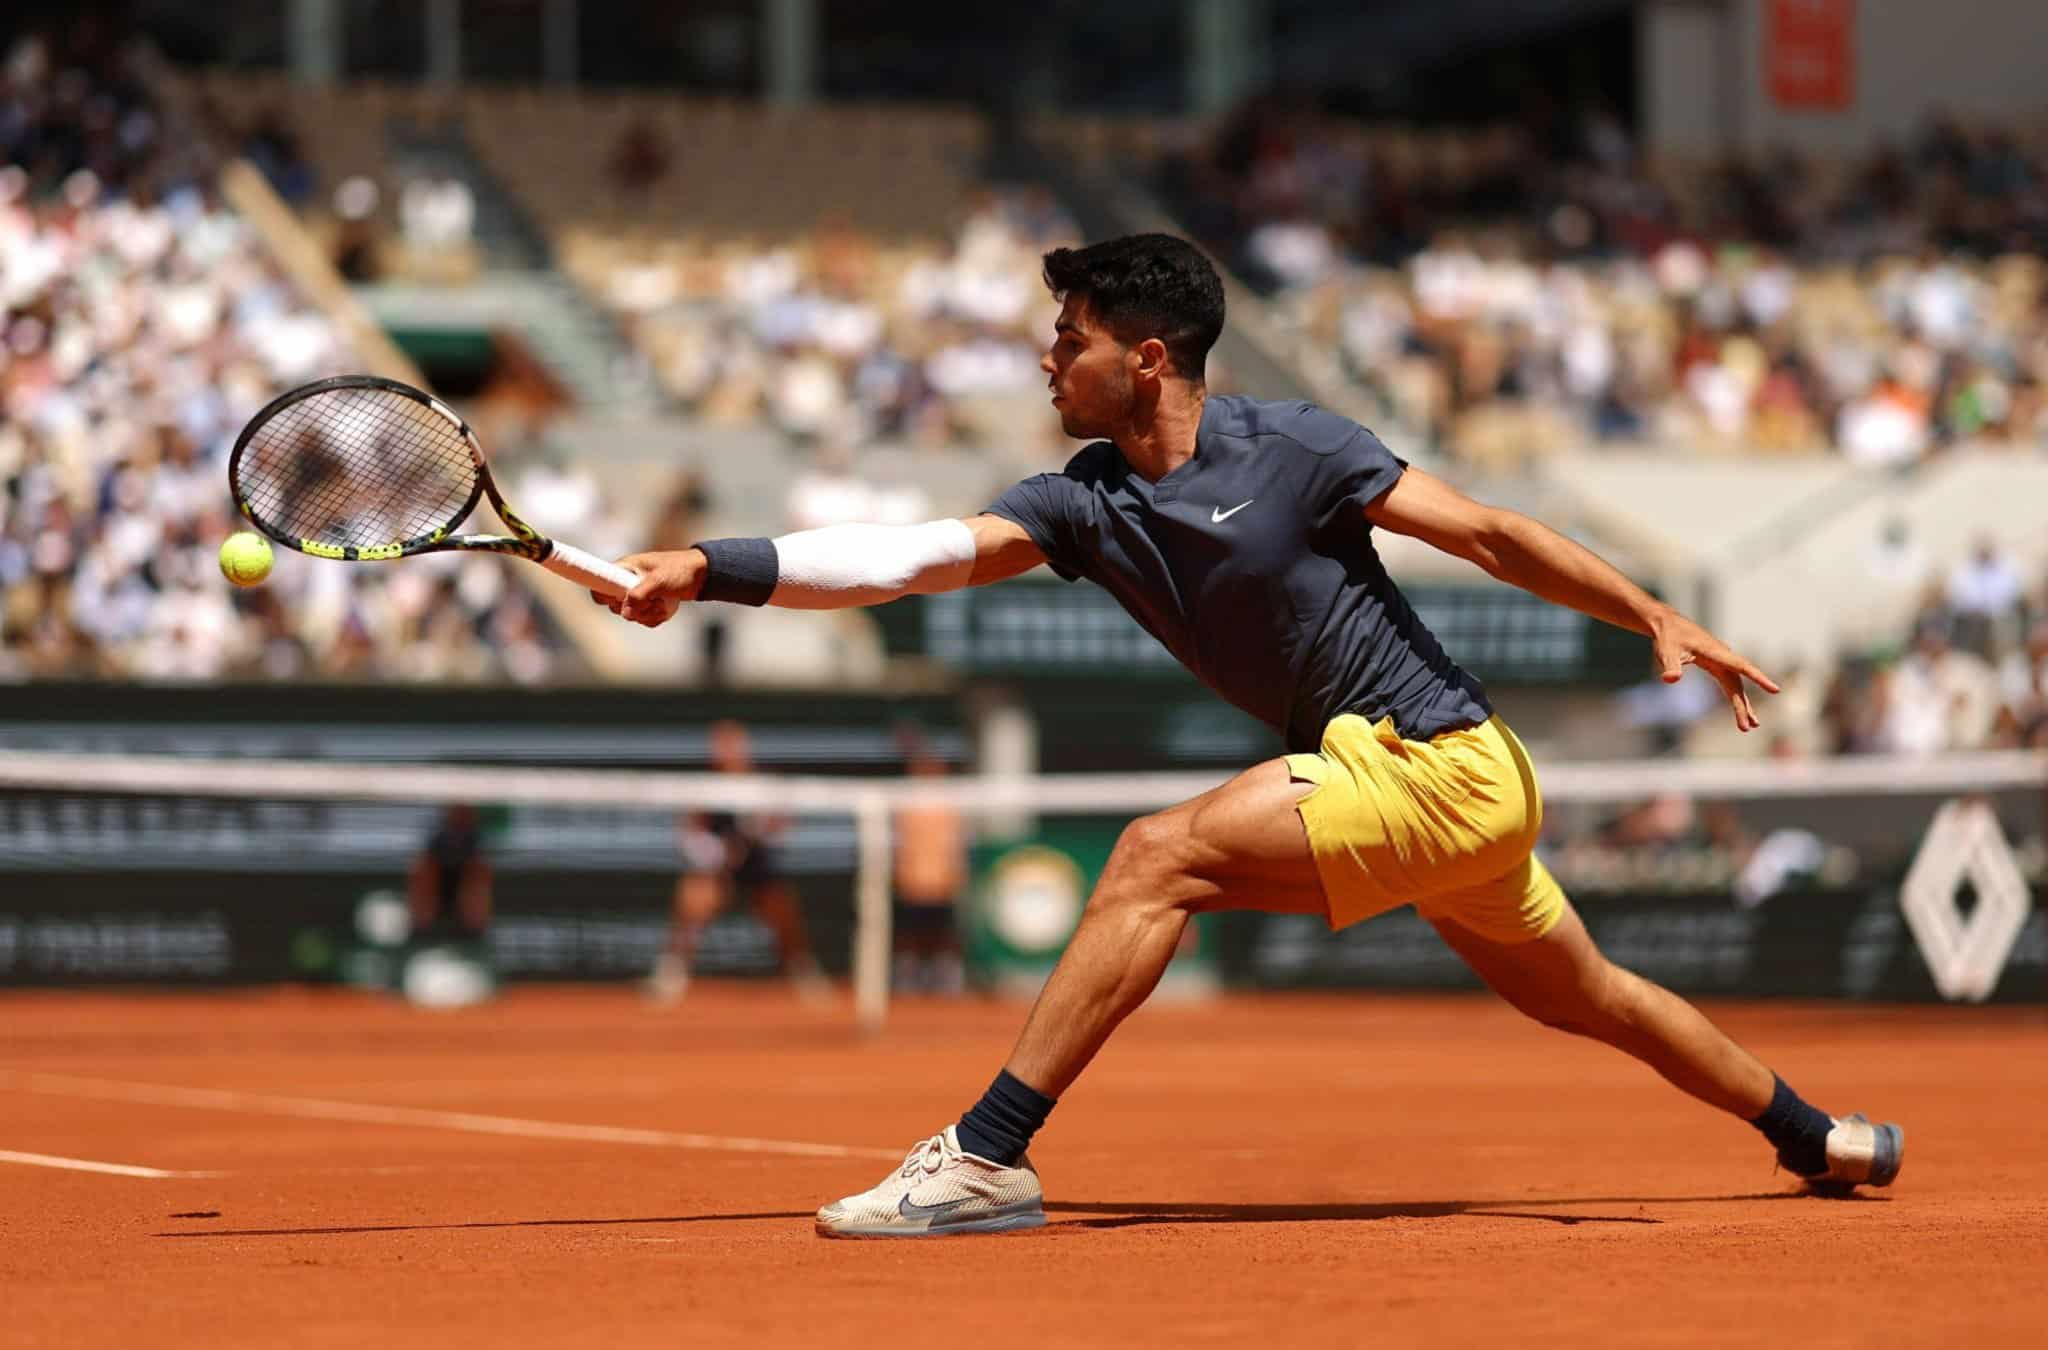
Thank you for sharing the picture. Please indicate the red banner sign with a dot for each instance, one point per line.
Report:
(1810, 53)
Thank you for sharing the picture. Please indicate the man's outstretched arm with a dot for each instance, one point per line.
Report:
(1531, 555)
(834, 567)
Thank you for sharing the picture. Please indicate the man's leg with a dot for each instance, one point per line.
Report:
(1240, 846)
(777, 905)
(1562, 980)
(697, 899)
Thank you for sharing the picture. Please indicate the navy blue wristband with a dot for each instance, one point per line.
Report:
(739, 571)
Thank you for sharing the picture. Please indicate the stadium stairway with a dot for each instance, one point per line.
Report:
(520, 288)
(620, 432)
(579, 346)
(507, 236)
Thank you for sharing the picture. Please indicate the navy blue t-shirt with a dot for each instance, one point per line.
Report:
(1253, 563)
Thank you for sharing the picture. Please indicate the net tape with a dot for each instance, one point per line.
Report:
(871, 801)
(1952, 774)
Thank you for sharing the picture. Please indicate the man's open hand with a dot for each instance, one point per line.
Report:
(1680, 643)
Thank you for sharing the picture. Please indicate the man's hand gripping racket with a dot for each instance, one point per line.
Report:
(365, 469)
(668, 581)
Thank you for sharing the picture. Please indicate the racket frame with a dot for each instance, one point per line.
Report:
(524, 541)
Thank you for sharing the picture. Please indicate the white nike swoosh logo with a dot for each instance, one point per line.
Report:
(1218, 515)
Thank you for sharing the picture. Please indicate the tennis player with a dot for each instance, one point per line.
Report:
(1239, 533)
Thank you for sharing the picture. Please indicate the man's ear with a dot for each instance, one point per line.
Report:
(1151, 354)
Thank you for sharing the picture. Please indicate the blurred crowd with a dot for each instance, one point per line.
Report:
(434, 241)
(841, 339)
(351, 169)
(143, 326)
(1971, 672)
(1510, 290)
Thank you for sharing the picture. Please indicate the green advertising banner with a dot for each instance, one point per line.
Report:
(1027, 897)
(1827, 943)
(191, 927)
(1046, 629)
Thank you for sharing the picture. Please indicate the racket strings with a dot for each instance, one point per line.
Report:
(357, 467)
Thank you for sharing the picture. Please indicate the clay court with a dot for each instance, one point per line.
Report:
(575, 1167)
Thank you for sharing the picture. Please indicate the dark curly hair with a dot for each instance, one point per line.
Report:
(1146, 286)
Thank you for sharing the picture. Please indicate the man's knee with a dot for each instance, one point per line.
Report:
(1147, 856)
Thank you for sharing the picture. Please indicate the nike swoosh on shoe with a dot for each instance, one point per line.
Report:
(930, 1213)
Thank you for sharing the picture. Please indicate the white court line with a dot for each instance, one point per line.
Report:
(313, 1108)
(84, 1165)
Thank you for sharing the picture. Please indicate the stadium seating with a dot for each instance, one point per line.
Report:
(329, 150)
(839, 272)
(850, 284)
(841, 337)
(144, 324)
(1500, 294)
(726, 168)
(1778, 304)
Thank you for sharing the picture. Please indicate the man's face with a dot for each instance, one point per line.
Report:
(1090, 373)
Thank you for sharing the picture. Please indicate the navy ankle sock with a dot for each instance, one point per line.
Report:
(999, 1126)
(1798, 1131)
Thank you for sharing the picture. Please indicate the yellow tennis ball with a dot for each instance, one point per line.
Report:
(245, 558)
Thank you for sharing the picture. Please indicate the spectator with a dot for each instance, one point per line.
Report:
(449, 887)
(355, 240)
(436, 214)
(640, 158)
(1889, 425)
(831, 492)
(728, 859)
(1984, 593)
(930, 875)
(680, 521)
(273, 147)
(2023, 687)
(1939, 698)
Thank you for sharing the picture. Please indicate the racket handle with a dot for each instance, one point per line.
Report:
(589, 570)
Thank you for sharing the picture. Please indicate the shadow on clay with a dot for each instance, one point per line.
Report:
(1136, 1213)
(1121, 1214)
(501, 1223)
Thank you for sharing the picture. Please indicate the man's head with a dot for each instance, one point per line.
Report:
(732, 750)
(1931, 637)
(1134, 312)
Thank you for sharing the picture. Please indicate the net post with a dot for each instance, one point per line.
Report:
(872, 936)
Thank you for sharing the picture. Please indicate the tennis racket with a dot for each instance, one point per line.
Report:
(366, 469)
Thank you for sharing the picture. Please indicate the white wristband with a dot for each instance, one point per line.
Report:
(840, 566)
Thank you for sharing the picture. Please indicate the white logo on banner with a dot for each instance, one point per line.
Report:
(1965, 954)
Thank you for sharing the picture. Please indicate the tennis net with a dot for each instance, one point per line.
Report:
(1861, 877)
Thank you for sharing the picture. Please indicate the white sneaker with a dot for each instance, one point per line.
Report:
(668, 982)
(811, 986)
(1860, 1153)
(940, 1191)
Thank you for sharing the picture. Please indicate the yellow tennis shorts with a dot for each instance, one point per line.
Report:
(1447, 824)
